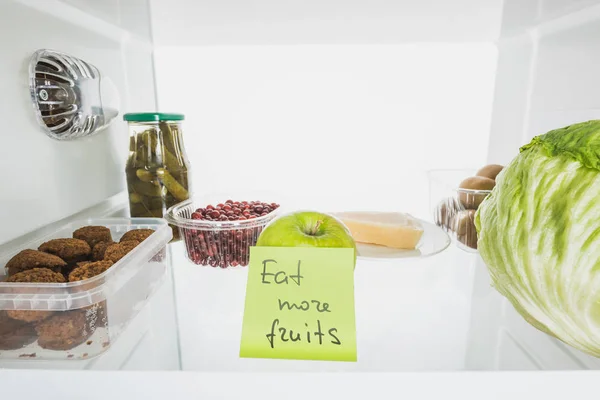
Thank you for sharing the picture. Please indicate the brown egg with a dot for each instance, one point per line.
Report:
(490, 171)
(445, 211)
(471, 196)
(477, 183)
(469, 239)
(464, 222)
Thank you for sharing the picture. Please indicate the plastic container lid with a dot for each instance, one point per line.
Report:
(152, 116)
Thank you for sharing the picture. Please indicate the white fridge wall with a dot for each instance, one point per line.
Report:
(330, 127)
(46, 180)
(288, 96)
(546, 79)
(268, 22)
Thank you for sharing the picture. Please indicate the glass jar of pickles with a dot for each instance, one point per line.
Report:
(158, 170)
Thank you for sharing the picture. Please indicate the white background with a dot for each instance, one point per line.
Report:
(332, 127)
(291, 22)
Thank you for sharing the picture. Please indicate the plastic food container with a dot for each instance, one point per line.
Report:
(454, 208)
(221, 244)
(82, 319)
(158, 169)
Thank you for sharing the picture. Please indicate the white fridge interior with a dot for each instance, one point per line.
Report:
(329, 105)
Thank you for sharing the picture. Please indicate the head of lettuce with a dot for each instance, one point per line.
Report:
(539, 234)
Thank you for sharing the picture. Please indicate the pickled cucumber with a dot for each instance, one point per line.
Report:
(150, 139)
(135, 198)
(152, 214)
(169, 136)
(174, 187)
(139, 210)
(172, 163)
(157, 171)
(169, 160)
(136, 209)
(146, 176)
(147, 189)
(181, 176)
(155, 203)
(170, 200)
(142, 157)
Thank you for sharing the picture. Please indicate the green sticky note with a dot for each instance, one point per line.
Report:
(300, 304)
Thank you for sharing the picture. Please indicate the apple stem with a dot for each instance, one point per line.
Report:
(316, 228)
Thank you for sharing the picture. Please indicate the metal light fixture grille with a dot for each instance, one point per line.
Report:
(69, 95)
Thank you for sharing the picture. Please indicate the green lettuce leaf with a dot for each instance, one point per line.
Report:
(539, 234)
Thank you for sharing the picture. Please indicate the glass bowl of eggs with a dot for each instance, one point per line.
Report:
(455, 195)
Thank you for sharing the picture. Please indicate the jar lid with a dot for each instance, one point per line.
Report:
(152, 116)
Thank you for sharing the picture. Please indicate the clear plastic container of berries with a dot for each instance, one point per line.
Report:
(218, 232)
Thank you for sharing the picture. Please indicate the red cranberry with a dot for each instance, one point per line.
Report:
(226, 248)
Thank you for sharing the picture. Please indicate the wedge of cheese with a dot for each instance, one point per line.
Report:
(391, 229)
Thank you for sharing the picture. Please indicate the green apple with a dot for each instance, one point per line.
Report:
(307, 229)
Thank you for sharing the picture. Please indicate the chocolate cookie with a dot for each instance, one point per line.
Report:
(36, 275)
(99, 250)
(65, 330)
(70, 250)
(30, 259)
(93, 235)
(15, 334)
(89, 270)
(116, 251)
(137, 234)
